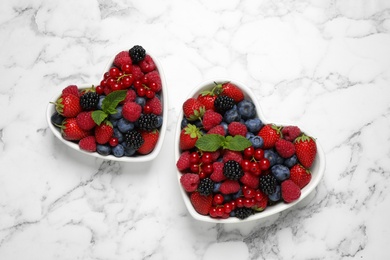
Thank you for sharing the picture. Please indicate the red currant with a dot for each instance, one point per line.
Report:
(149, 93)
(194, 168)
(218, 199)
(248, 152)
(249, 193)
(114, 72)
(202, 175)
(207, 158)
(99, 90)
(213, 212)
(258, 154)
(246, 165)
(106, 75)
(194, 157)
(116, 87)
(208, 168)
(220, 211)
(113, 141)
(141, 91)
(240, 202)
(264, 164)
(228, 207)
(126, 68)
(248, 203)
(255, 168)
(127, 81)
(153, 86)
(147, 109)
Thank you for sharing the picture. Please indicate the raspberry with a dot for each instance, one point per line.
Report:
(232, 155)
(291, 132)
(137, 53)
(219, 129)
(155, 104)
(122, 58)
(85, 121)
(211, 119)
(88, 144)
(130, 96)
(232, 170)
(136, 72)
(290, 191)
(190, 181)
(184, 161)
(206, 187)
(250, 180)
(217, 174)
(229, 187)
(154, 81)
(285, 148)
(147, 64)
(237, 128)
(131, 111)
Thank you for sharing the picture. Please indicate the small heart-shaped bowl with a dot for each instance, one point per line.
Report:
(138, 158)
(317, 169)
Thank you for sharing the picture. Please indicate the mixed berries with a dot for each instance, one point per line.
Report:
(121, 116)
(233, 164)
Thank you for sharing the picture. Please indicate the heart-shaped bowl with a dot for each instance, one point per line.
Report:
(137, 158)
(317, 169)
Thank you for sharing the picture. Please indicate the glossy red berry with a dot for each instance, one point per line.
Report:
(194, 157)
(218, 199)
(248, 152)
(264, 164)
(258, 154)
(113, 141)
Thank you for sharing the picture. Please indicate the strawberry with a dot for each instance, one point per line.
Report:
(290, 132)
(219, 129)
(250, 180)
(131, 111)
(231, 90)
(88, 144)
(201, 203)
(193, 109)
(237, 128)
(188, 137)
(207, 99)
(150, 141)
(183, 163)
(155, 105)
(211, 119)
(290, 191)
(85, 121)
(270, 134)
(300, 175)
(229, 187)
(285, 148)
(68, 105)
(71, 131)
(217, 175)
(103, 132)
(306, 150)
(71, 89)
(122, 58)
(190, 181)
(147, 64)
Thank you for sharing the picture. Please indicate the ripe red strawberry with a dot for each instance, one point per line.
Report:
(155, 105)
(270, 134)
(300, 175)
(131, 111)
(231, 155)
(217, 175)
(147, 64)
(190, 181)
(290, 191)
(219, 129)
(290, 132)
(193, 109)
(150, 141)
(211, 119)
(183, 163)
(85, 120)
(231, 90)
(285, 148)
(237, 128)
(188, 137)
(68, 105)
(207, 98)
(122, 58)
(154, 81)
(306, 150)
(103, 132)
(88, 144)
(71, 89)
(71, 131)
(201, 203)
(229, 187)
(250, 180)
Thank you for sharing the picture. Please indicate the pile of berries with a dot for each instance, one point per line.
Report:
(121, 116)
(234, 165)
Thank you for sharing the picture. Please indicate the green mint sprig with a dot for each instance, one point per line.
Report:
(109, 105)
(213, 142)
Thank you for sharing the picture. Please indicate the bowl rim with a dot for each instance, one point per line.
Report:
(141, 158)
(319, 164)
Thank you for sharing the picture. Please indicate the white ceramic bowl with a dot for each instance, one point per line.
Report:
(139, 158)
(317, 169)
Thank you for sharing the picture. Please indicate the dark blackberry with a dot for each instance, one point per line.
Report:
(243, 212)
(133, 139)
(89, 101)
(206, 186)
(223, 103)
(232, 170)
(268, 184)
(137, 53)
(147, 122)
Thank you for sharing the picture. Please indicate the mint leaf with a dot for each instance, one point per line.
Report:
(98, 116)
(210, 142)
(112, 100)
(236, 143)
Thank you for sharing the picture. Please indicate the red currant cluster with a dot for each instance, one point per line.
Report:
(203, 163)
(254, 161)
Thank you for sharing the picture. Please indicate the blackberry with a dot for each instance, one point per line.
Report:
(243, 212)
(89, 101)
(268, 184)
(206, 186)
(147, 122)
(133, 139)
(232, 170)
(223, 103)
(137, 53)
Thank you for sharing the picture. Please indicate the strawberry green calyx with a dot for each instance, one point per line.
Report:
(197, 114)
(193, 131)
(278, 129)
(304, 138)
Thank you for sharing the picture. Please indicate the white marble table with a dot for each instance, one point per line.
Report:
(324, 65)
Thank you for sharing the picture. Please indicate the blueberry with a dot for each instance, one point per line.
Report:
(184, 123)
(225, 126)
(227, 197)
(114, 122)
(257, 141)
(118, 114)
(232, 115)
(276, 195)
(249, 135)
(217, 185)
(140, 101)
(100, 103)
(246, 109)
(280, 172)
(253, 125)
(271, 156)
(56, 119)
(159, 121)
(118, 151)
(103, 149)
(198, 123)
(118, 134)
(237, 194)
(129, 152)
(125, 125)
(290, 162)
(279, 159)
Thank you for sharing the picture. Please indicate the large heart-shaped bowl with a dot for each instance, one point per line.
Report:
(317, 168)
(139, 158)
